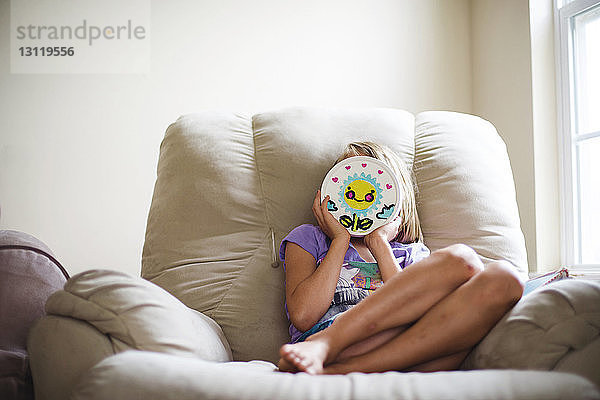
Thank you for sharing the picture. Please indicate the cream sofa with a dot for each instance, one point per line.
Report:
(229, 188)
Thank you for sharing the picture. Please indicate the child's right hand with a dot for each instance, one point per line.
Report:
(329, 225)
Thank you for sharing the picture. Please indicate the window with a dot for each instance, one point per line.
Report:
(578, 56)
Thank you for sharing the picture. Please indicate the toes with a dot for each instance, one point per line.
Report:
(286, 366)
(291, 359)
(292, 356)
(303, 363)
(311, 370)
(296, 358)
(299, 360)
(286, 349)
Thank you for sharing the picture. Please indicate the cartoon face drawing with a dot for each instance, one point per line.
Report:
(360, 194)
(363, 194)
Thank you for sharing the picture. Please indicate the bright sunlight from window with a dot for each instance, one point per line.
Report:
(586, 34)
(579, 36)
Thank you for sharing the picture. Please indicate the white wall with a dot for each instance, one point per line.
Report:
(545, 136)
(502, 93)
(78, 153)
(514, 88)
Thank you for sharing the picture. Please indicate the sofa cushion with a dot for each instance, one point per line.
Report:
(295, 148)
(556, 327)
(207, 229)
(466, 190)
(150, 376)
(137, 314)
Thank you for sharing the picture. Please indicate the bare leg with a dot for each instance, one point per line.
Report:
(452, 326)
(403, 299)
(354, 350)
(369, 343)
(447, 363)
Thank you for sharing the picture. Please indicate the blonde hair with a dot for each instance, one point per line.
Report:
(410, 229)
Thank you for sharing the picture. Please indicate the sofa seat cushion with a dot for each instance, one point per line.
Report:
(137, 314)
(151, 376)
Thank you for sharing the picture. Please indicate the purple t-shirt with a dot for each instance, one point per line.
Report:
(312, 239)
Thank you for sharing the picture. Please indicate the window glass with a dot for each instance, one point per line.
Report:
(579, 53)
(588, 155)
(586, 57)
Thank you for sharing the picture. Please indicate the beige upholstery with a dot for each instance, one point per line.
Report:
(135, 314)
(229, 188)
(226, 181)
(139, 375)
(466, 191)
(556, 328)
(63, 350)
(100, 313)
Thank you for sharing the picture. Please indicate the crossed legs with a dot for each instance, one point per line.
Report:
(427, 317)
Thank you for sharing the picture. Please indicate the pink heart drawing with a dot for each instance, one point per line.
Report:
(387, 185)
(363, 165)
(348, 167)
(334, 179)
(379, 171)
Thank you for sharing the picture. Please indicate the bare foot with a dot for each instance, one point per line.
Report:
(285, 366)
(309, 356)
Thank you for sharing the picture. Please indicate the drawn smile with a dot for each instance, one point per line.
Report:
(369, 197)
(359, 193)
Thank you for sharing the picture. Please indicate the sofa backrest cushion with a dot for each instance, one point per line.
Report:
(295, 149)
(231, 186)
(466, 188)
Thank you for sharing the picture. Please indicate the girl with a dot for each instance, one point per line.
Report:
(431, 311)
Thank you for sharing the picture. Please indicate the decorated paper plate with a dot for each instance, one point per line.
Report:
(363, 194)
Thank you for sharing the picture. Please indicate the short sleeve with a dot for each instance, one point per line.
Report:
(409, 253)
(309, 237)
(416, 252)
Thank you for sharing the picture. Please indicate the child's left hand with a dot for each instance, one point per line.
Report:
(387, 232)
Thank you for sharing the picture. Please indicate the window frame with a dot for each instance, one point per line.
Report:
(566, 139)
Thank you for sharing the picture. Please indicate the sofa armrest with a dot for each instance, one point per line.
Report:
(553, 328)
(29, 274)
(61, 350)
(138, 314)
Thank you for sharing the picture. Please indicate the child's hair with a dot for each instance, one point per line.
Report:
(410, 229)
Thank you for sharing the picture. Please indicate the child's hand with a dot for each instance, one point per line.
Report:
(387, 232)
(329, 225)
